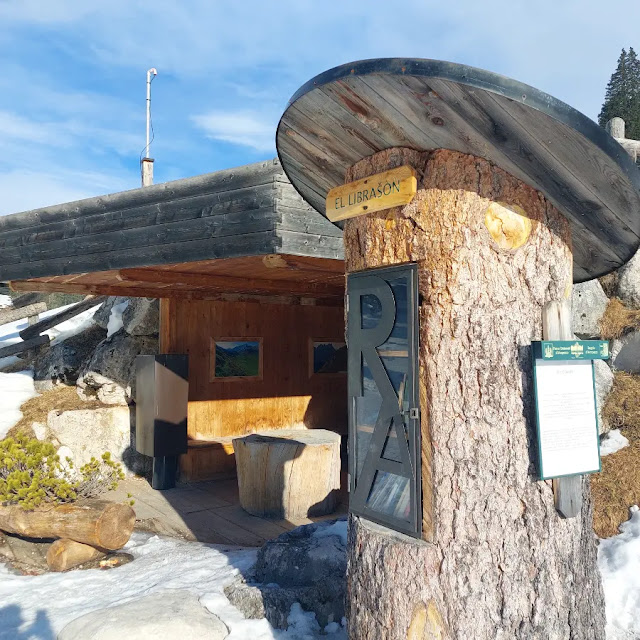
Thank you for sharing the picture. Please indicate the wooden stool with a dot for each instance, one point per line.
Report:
(288, 473)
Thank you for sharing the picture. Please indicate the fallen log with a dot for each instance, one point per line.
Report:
(11, 315)
(107, 525)
(52, 321)
(19, 347)
(65, 554)
(26, 299)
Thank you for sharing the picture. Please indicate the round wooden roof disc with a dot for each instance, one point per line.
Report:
(353, 111)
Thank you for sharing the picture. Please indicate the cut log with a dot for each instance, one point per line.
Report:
(65, 554)
(288, 473)
(500, 562)
(52, 321)
(107, 525)
(11, 315)
(25, 345)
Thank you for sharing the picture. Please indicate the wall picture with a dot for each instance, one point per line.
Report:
(239, 358)
(328, 356)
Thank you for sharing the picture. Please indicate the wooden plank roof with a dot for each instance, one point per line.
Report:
(246, 215)
(357, 109)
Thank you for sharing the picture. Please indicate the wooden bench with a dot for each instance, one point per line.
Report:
(288, 473)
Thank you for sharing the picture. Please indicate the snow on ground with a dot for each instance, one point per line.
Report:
(115, 318)
(40, 606)
(338, 528)
(5, 301)
(612, 442)
(15, 388)
(619, 562)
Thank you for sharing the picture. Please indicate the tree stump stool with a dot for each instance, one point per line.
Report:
(288, 473)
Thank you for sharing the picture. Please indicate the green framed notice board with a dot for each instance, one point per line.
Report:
(566, 409)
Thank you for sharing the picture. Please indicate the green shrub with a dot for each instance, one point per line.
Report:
(32, 474)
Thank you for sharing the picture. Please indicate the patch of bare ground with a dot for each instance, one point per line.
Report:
(618, 320)
(62, 398)
(617, 487)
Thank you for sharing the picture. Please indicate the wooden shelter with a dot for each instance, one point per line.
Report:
(236, 257)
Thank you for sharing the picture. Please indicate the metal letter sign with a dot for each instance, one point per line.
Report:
(384, 418)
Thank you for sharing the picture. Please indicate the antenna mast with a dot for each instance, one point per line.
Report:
(147, 161)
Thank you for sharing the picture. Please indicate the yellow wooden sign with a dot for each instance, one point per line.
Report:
(375, 193)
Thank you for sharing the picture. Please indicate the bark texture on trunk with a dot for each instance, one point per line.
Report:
(501, 563)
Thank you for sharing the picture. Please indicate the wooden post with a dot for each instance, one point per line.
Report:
(556, 325)
(500, 561)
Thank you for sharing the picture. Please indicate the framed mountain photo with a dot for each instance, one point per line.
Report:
(236, 359)
(327, 356)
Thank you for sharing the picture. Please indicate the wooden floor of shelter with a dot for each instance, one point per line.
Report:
(204, 512)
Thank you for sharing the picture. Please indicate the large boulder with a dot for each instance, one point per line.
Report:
(102, 315)
(604, 384)
(88, 433)
(61, 363)
(588, 304)
(306, 565)
(165, 615)
(110, 374)
(628, 287)
(142, 317)
(625, 353)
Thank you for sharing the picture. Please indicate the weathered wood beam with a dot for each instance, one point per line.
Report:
(11, 315)
(48, 323)
(230, 283)
(174, 292)
(19, 347)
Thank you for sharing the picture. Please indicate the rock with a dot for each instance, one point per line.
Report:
(112, 367)
(102, 315)
(142, 317)
(625, 353)
(61, 363)
(89, 433)
(165, 615)
(604, 383)
(22, 555)
(95, 386)
(588, 304)
(39, 430)
(305, 565)
(628, 289)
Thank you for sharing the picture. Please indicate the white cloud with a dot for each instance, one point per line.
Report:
(23, 189)
(246, 128)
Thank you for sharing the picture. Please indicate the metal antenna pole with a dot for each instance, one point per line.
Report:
(147, 161)
(151, 74)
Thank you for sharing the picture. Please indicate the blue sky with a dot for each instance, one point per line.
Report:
(72, 74)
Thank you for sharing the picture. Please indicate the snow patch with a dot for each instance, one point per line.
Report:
(5, 301)
(338, 528)
(613, 441)
(15, 389)
(41, 606)
(73, 326)
(619, 563)
(115, 318)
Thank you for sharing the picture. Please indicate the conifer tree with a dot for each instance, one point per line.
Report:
(622, 97)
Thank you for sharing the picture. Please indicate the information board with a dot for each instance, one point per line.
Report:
(566, 410)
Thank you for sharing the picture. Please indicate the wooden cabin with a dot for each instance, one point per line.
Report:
(251, 286)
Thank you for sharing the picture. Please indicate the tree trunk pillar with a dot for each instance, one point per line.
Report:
(498, 562)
